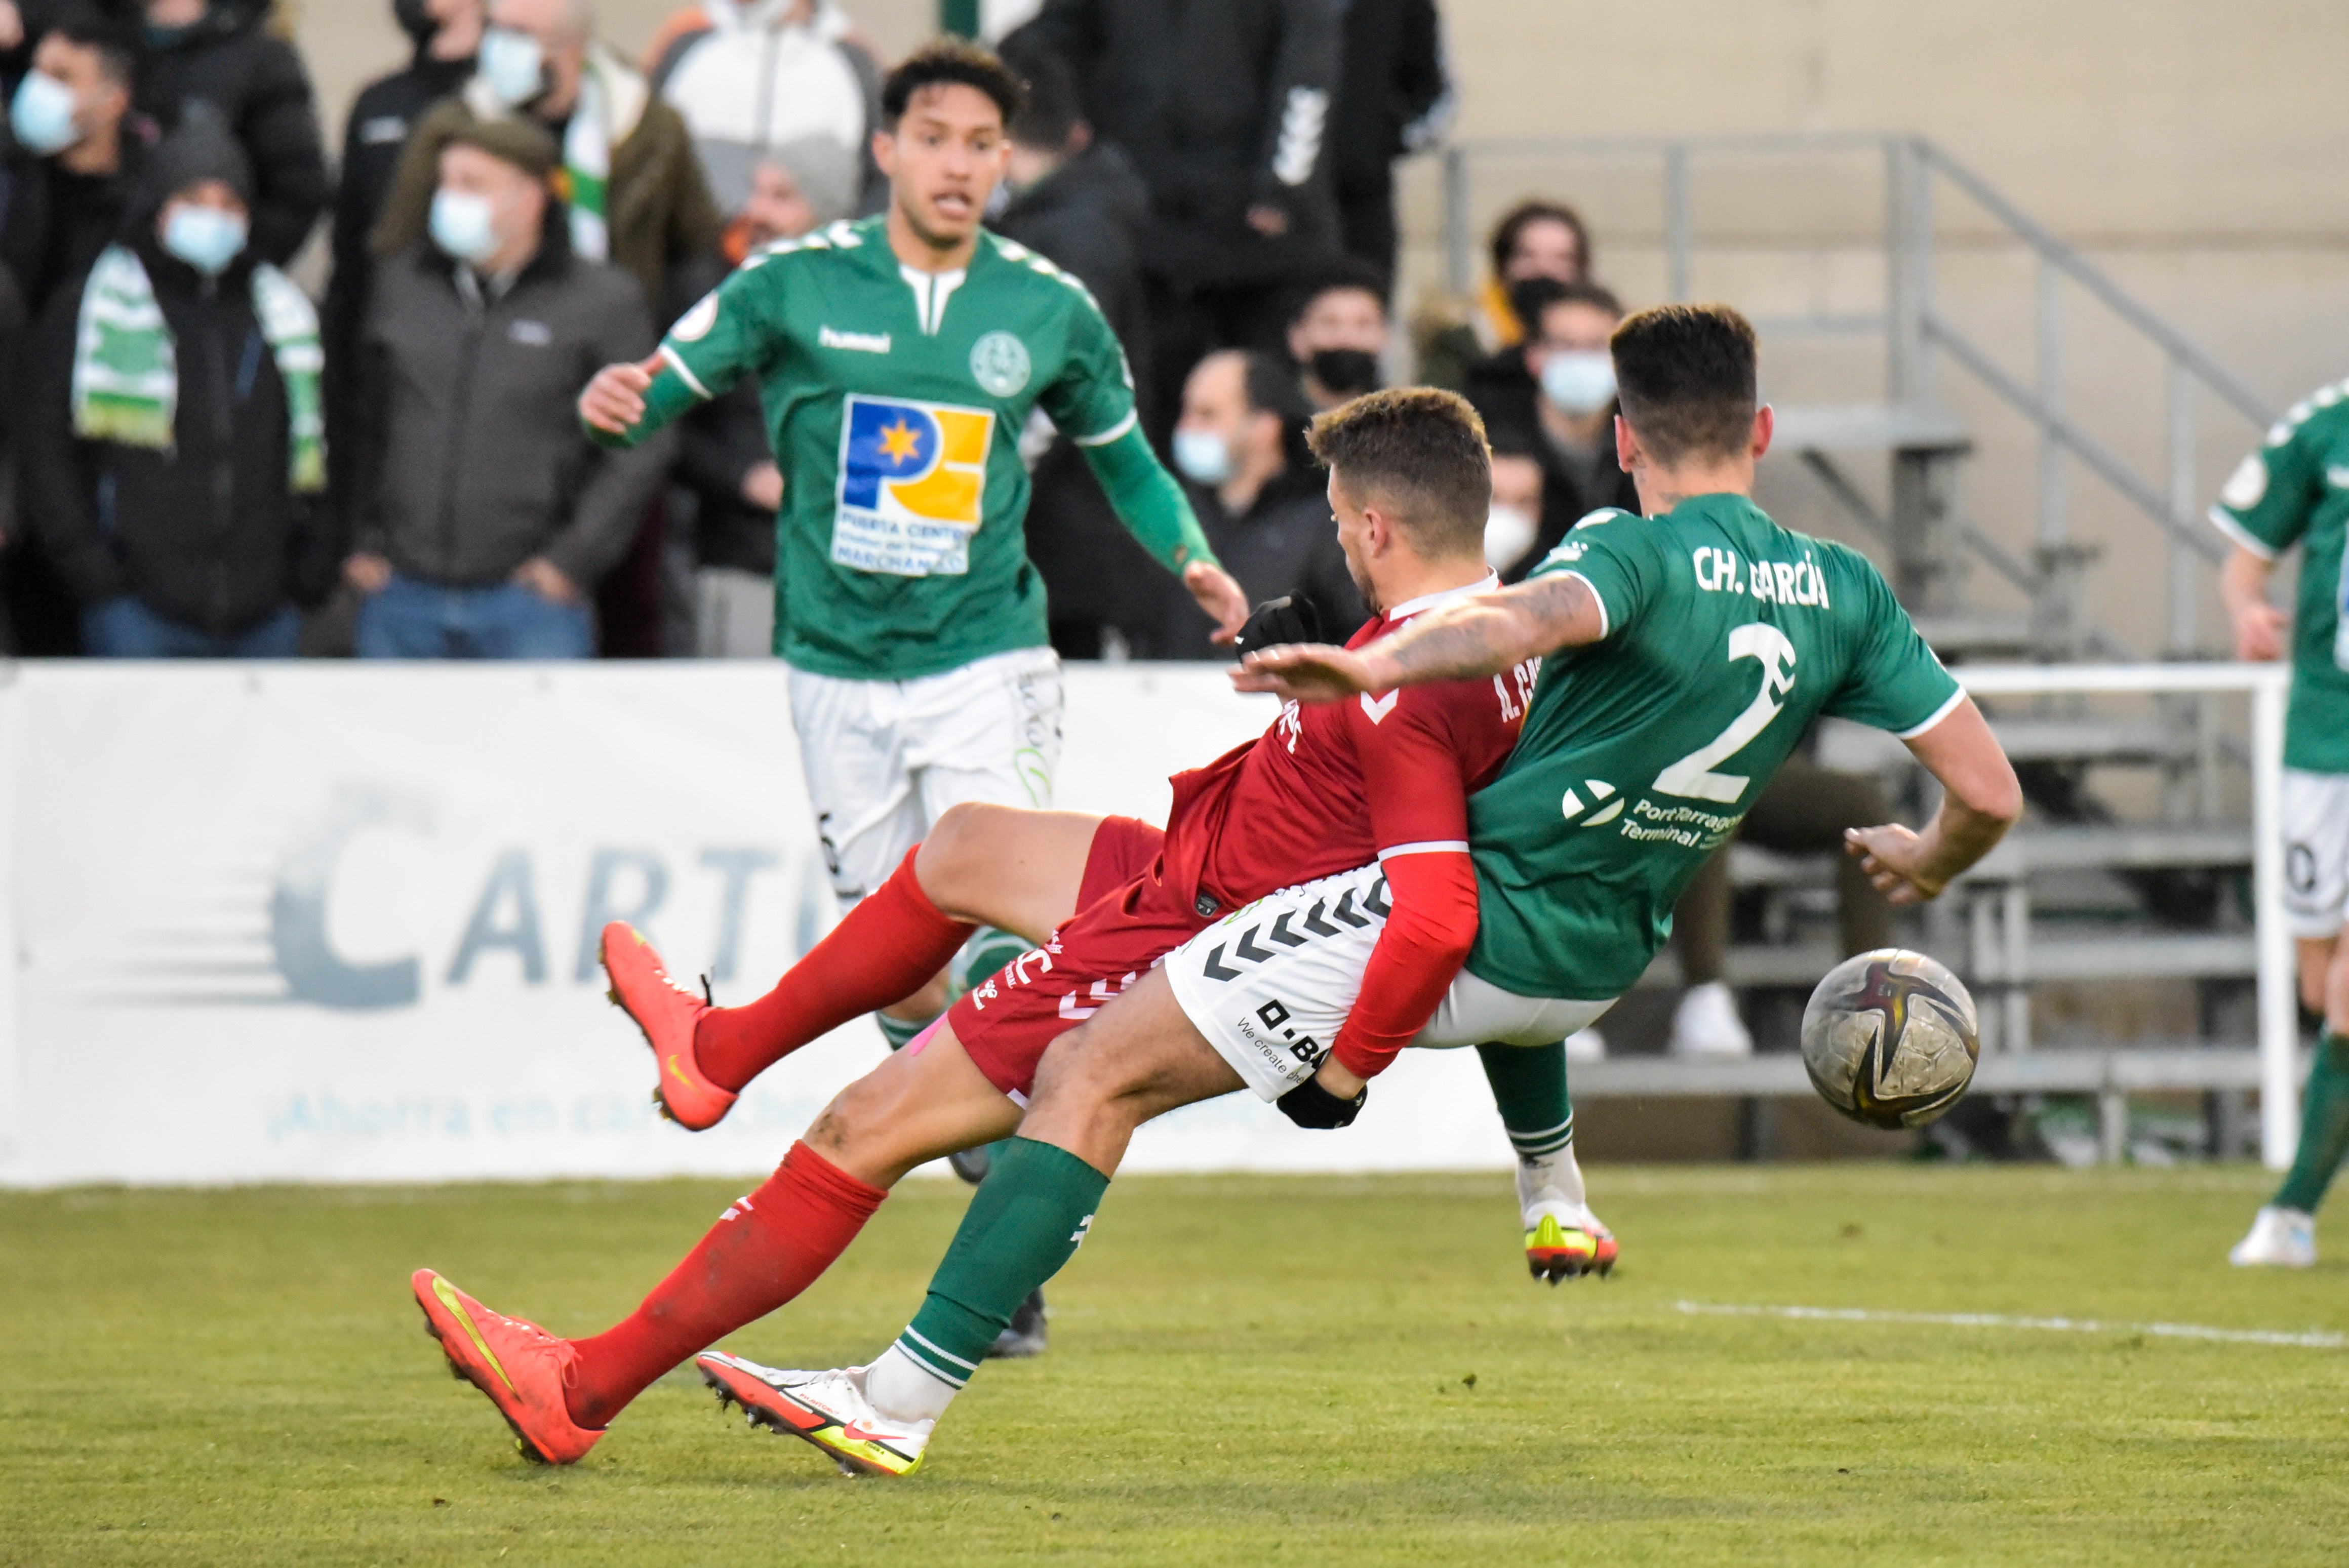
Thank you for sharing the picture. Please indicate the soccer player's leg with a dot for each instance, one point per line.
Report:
(768, 1246)
(1564, 1240)
(2316, 829)
(1023, 870)
(1138, 1057)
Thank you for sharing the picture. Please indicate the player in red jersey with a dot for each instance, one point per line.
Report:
(1324, 792)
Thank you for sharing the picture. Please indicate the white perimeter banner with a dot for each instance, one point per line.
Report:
(336, 921)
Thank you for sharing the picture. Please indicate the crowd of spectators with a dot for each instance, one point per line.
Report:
(195, 460)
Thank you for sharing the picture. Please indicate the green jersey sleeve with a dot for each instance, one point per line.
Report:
(2267, 503)
(1622, 561)
(1895, 681)
(732, 332)
(1091, 400)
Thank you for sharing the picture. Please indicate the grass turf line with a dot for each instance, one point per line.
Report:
(1244, 1369)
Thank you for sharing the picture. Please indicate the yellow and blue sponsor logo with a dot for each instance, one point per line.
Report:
(913, 485)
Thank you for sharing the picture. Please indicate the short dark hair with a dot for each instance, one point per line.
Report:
(944, 61)
(1053, 107)
(1686, 378)
(1532, 298)
(1419, 449)
(1535, 209)
(116, 46)
(1340, 273)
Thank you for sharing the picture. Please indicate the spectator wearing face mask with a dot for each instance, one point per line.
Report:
(1337, 334)
(636, 197)
(1262, 504)
(1515, 521)
(76, 155)
(726, 464)
(485, 516)
(1535, 239)
(1078, 202)
(222, 52)
(751, 75)
(174, 446)
(1556, 394)
(446, 36)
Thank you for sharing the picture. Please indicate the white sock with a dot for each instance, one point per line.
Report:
(1553, 1177)
(903, 1389)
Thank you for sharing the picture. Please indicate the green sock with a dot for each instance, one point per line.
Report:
(1529, 1087)
(1023, 1224)
(900, 1032)
(2324, 1128)
(991, 947)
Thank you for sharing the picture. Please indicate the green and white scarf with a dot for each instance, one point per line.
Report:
(612, 101)
(126, 374)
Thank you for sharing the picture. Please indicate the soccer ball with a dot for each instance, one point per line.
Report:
(1889, 1039)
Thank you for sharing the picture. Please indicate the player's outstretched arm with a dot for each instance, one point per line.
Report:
(614, 406)
(1980, 800)
(1479, 635)
(1151, 505)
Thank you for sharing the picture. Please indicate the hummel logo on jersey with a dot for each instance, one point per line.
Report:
(1077, 1236)
(1378, 707)
(1599, 790)
(1315, 924)
(862, 342)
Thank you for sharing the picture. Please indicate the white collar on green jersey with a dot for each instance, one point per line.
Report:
(930, 292)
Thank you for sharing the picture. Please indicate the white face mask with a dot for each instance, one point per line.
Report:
(464, 224)
(513, 65)
(1508, 535)
(1203, 456)
(42, 115)
(1578, 381)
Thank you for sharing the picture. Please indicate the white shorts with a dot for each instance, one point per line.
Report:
(884, 758)
(1270, 984)
(2315, 852)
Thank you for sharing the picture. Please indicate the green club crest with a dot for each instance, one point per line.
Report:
(999, 363)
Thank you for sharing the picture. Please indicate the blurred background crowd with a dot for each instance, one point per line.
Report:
(223, 439)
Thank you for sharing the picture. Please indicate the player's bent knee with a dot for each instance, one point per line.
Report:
(954, 851)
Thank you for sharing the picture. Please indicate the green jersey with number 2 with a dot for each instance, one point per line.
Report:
(1726, 634)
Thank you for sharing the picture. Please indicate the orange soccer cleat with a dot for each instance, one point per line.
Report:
(520, 1366)
(1569, 1247)
(666, 1013)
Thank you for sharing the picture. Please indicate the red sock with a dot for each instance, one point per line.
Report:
(884, 951)
(765, 1249)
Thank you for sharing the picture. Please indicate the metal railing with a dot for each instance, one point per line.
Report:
(1920, 337)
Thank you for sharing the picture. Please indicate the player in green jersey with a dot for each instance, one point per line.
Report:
(2295, 490)
(898, 359)
(1683, 655)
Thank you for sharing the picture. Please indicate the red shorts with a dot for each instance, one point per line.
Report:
(1126, 921)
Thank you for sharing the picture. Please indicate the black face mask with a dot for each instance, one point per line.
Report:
(414, 20)
(1349, 372)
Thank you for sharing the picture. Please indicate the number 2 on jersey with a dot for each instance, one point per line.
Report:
(1692, 775)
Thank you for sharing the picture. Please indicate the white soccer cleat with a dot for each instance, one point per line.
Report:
(828, 1410)
(2279, 1238)
(1586, 1046)
(1706, 1024)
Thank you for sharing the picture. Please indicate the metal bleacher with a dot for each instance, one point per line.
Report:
(2127, 873)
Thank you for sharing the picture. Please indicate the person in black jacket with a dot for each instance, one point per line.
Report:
(1393, 98)
(73, 153)
(1078, 203)
(1554, 396)
(181, 514)
(220, 51)
(447, 35)
(1222, 107)
(1262, 503)
(76, 146)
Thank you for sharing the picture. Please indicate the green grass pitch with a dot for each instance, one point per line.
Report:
(1243, 1370)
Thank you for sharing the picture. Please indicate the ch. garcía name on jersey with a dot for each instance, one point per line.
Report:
(1720, 570)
